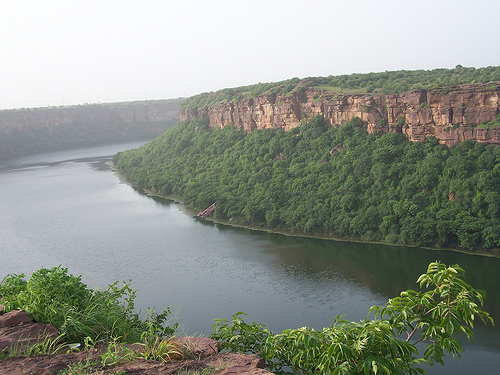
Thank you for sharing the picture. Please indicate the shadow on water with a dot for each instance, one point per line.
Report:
(159, 200)
(97, 163)
(384, 269)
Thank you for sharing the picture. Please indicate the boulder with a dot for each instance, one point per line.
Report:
(44, 364)
(198, 347)
(26, 334)
(18, 331)
(238, 364)
(14, 318)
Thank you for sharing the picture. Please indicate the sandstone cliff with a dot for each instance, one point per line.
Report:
(450, 114)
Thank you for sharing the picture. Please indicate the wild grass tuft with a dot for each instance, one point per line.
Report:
(47, 346)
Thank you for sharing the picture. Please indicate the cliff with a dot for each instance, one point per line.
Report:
(25, 131)
(451, 115)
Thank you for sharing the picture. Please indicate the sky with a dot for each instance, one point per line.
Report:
(66, 52)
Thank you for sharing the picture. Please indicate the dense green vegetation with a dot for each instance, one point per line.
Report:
(321, 180)
(79, 313)
(392, 82)
(444, 307)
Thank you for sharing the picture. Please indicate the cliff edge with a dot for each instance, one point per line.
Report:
(452, 114)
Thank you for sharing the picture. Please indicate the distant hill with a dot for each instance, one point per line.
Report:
(27, 131)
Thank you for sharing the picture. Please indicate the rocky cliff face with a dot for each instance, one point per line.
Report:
(450, 115)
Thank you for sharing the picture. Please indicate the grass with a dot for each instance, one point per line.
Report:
(81, 368)
(45, 347)
(205, 371)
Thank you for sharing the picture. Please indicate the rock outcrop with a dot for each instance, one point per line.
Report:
(18, 331)
(450, 114)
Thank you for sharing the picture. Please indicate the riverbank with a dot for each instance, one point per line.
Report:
(193, 212)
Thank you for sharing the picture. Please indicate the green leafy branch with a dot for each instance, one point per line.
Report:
(380, 346)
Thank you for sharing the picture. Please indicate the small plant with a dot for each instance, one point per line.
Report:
(80, 368)
(401, 121)
(383, 123)
(117, 353)
(162, 350)
(239, 336)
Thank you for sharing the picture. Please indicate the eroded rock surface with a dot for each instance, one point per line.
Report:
(451, 115)
(18, 330)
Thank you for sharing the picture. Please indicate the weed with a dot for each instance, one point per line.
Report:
(80, 368)
(162, 350)
(117, 353)
(47, 346)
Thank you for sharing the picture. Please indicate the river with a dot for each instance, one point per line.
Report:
(69, 208)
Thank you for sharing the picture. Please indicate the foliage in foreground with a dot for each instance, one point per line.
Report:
(444, 307)
(79, 313)
(320, 180)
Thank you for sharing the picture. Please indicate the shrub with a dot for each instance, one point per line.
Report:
(63, 300)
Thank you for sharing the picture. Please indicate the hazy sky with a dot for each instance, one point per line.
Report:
(56, 52)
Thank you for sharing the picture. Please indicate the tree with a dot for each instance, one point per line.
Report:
(445, 307)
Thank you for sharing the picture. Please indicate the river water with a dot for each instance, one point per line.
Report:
(69, 208)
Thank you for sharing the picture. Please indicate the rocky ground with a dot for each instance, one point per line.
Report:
(18, 330)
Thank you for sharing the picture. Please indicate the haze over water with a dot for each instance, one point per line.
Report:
(70, 208)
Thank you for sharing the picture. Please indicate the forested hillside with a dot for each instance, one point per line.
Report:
(320, 180)
(33, 130)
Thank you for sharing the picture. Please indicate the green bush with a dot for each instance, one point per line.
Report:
(63, 300)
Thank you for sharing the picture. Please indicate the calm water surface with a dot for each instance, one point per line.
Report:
(69, 208)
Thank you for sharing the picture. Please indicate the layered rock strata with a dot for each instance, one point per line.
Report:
(452, 115)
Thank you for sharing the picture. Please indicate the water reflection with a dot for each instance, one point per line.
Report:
(383, 270)
(71, 213)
